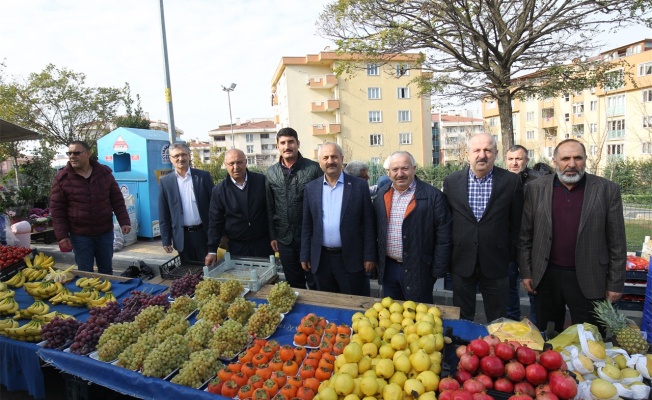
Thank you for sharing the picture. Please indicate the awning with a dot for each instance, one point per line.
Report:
(11, 132)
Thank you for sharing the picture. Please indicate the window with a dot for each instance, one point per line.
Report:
(375, 160)
(549, 151)
(376, 140)
(646, 148)
(268, 146)
(264, 135)
(249, 137)
(593, 106)
(529, 116)
(404, 138)
(375, 116)
(647, 122)
(633, 50)
(491, 104)
(493, 121)
(403, 92)
(250, 148)
(404, 116)
(645, 69)
(529, 135)
(548, 114)
(578, 130)
(593, 128)
(616, 151)
(616, 129)
(616, 105)
(220, 138)
(530, 154)
(373, 93)
(373, 69)
(567, 97)
(567, 117)
(615, 79)
(402, 69)
(593, 150)
(578, 109)
(647, 95)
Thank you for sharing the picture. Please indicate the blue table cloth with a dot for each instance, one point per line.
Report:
(20, 367)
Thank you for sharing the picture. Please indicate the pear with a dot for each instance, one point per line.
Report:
(620, 360)
(602, 389)
(631, 373)
(596, 349)
(586, 362)
(610, 373)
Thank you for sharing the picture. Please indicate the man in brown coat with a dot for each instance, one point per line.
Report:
(571, 246)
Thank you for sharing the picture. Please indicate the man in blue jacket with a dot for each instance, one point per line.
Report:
(414, 233)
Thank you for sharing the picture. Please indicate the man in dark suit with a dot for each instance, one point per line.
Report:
(486, 203)
(414, 233)
(338, 241)
(183, 203)
(572, 248)
(239, 211)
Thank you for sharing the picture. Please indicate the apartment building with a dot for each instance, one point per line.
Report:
(454, 128)
(613, 122)
(371, 113)
(256, 137)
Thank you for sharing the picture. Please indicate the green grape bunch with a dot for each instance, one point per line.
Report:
(206, 288)
(132, 357)
(230, 289)
(115, 339)
(240, 310)
(282, 297)
(199, 335)
(229, 339)
(183, 305)
(264, 321)
(171, 324)
(168, 356)
(149, 317)
(214, 310)
(201, 366)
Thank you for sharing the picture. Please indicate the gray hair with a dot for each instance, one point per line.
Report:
(337, 146)
(400, 153)
(179, 146)
(493, 140)
(355, 168)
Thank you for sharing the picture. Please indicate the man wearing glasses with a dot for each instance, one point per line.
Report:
(239, 211)
(84, 198)
(183, 207)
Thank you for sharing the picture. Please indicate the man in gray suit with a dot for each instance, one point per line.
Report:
(572, 248)
(486, 204)
(183, 204)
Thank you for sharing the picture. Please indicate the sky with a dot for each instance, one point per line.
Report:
(211, 43)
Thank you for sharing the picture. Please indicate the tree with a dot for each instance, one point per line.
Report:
(215, 164)
(485, 50)
(133, 118)
(57, 103)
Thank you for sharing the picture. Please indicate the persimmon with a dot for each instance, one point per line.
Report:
(307, 327)
(246, 356)
(313, 362)
(323, 373)
(289, 390)
(255, 347)
(321, 321)
(274, 344)
(225, 374)
(240, 378)
(341, 337)
(314, 353)
(268, 351)
(326, 363)
(235, 367)
(305, 393)
(319, 330)
(329, 337)
(310, 317)
(280, 396)
(290, 368)
(260, 394)
(344, 328)
(230, 388)
(280, 378)
(259, 359)
(264, 371)
(215, 386)
(307, 371)
(276, 364)
(270, 386)
(300, 338)
(260, 342)
(256, 381)
(299, 354)
(329, 356)
(331, 327)
(295, 380)
(245, 391)
(313, 340)
(248, 369)
(338, 348)
(286, 352)
(325, 346)
(312, 383)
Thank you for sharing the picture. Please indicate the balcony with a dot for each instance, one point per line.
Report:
(325, 106)
(326, 129)
(323, 82)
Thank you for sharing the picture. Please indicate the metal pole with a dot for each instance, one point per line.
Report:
(168, 86)
(228, 95)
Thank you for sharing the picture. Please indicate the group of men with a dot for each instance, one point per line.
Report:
(562, 233)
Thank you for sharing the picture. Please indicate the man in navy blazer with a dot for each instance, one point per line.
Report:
(183, 204)
(338, 241)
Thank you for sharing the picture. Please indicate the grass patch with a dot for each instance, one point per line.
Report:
(635, 232)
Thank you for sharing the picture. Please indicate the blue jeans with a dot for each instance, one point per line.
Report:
(89, 248)
(514, 302)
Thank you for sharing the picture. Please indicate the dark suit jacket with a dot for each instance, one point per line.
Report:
(492, 240)
(357, 224)
(601, 249)
(170, 210)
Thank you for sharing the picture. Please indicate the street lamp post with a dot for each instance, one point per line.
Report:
(228, 91)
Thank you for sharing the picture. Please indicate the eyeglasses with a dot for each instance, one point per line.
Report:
(177, 156)
(234, 163)
(74, 153)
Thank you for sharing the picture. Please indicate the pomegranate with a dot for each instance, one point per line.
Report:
(446, 395)
(514, 371)
(461, 395)
(551, 360)
(448, 383)
(504, 351)
(473, 386)
(526, 355)
(536, 374)
(460, 350)
(546, 396)
(520, 396)
(479, 347)
(515, 344)
(504, 385)
(491, 340)
(486, 380)
(563, 385)
(482, 396)
(462, 375)
(542, 388)
(492, 366)
(469, 362)
(524, 388)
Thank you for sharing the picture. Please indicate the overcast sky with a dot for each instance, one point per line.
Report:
(210, 43)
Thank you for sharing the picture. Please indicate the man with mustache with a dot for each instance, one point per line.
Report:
(572, 248)
(486, 204)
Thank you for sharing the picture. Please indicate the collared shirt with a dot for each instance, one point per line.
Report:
(479, 192)
(331, 201)
(188, 201)
(566, 213)
(400, 202)
(242, 185)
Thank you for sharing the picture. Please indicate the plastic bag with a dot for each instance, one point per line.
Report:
(10, 239)
(569, 336)
(118, 238)
(524, 332)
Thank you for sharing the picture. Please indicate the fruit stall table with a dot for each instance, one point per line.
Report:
(20, 367)
(336, 308)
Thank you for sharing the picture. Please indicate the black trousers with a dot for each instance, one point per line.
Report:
(557, 290)
(332, 277)
(291, 259)
(495, 294)
(195, 247)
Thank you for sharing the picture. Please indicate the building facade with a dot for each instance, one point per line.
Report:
(371, 114)
(454, 129)
(256, 137)
(614, 122)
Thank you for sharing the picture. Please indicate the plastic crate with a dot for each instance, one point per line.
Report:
(174, 270)
(252, 272)
(7, 272)
(46, 236)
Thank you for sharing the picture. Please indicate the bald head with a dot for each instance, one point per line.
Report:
(482, 152)
(235, 163)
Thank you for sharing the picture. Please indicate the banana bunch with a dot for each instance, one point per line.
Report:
(8, 323)
(6, 293)
(17, 280)
(3, 286)
(88, 293)
(58, 298)
(34, 274)
(102, 301)
(8, 306)
(30, 332)
(68, 299)
(56, 275)
(45, 318)
(43, 290)
(37, 308)
(103, 285)
(41, 261)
